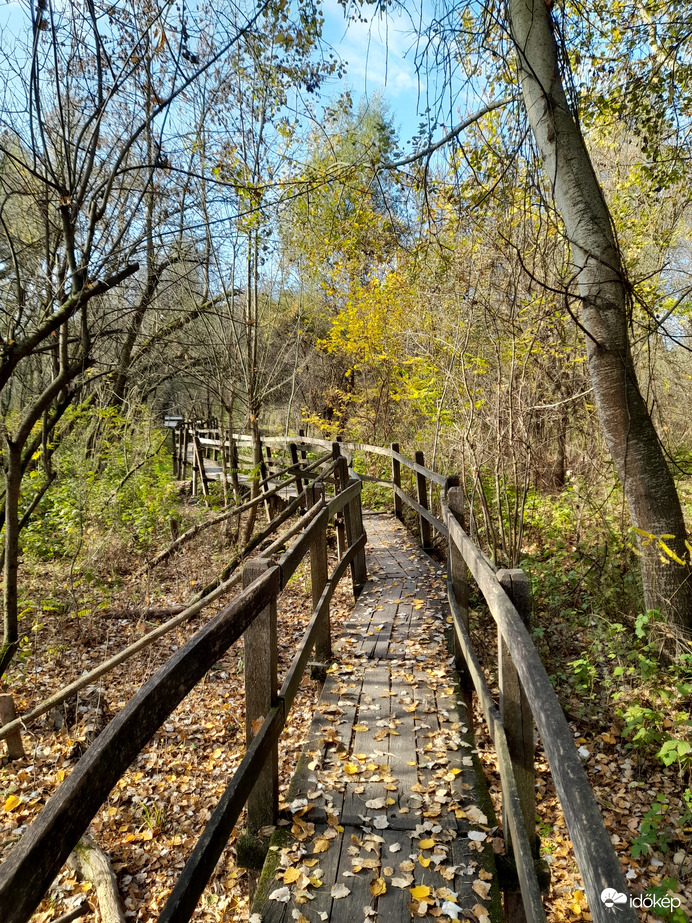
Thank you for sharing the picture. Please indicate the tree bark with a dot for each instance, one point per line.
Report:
(599, 273)
(92, 864)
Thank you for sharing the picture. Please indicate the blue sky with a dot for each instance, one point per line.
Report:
(380, 56)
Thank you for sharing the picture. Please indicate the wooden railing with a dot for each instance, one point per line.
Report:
(34, 862)
(526, 696)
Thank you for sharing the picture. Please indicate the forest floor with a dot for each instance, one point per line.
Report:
(154, 815)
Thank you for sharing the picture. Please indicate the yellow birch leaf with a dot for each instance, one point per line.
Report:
(378, 887)
(427, 844)
(11, 803)
(321, 844)
(420, 892)
(291, 875)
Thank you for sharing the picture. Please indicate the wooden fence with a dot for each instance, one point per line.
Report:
(27, 873)
(526, 695)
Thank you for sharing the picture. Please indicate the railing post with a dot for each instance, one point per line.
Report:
(422, 491)
(264, 474)
(396, 479)
(459, 576)
(174, 434)
(318, 581)
(260, 657)
(293, 448)
(339, 485)
(354, 529)
(183, 451)
(15, 747)
(199, 466)
(518, 723)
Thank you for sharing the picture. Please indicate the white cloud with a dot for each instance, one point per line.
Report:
(380, 53)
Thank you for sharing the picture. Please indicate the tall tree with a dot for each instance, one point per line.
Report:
(529, 46)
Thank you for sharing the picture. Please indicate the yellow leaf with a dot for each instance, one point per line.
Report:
(12, 803)
(420, 892)
(321, 844)
(378, 887)
(351, 768)
(360, 727)
(291, 875)
(423, 861)
(426, 844)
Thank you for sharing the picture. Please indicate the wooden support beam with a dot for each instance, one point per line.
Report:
(293, 448)
(518, 723)
(340, 484)
(318, 580)
(396, 479)
(422, 494)
(260, 659)
(459, 576)
(15, 747)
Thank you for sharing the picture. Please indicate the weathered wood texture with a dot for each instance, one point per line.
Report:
(34, 862)
(8, 715)
(388, 757)
(598, 864)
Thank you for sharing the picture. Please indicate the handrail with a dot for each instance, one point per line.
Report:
(595, 856)
(598, 864)
(33, 863)
(207, 851)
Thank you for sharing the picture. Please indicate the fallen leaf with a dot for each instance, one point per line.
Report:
(378, 887)
(339, 891)
(291, 874)
(451, 910)
(420, 892)
(402, 881)
(281, 894)
(482, 889)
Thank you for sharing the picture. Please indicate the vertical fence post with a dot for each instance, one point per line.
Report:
(318, 581)
(266, 486)
(459, 578)
(260, 656)
(518, 723)
(199, 466)
(183, 452)
(339, 485)
(396, 480)
(293, 448)
(354, 530)
(15, 747)
(422, 492)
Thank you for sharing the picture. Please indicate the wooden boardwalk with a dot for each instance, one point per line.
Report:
(387, 815)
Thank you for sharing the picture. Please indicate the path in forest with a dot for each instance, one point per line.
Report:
(388, 806)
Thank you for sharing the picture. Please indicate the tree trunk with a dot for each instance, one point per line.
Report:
(13, 480)
(630, 435)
